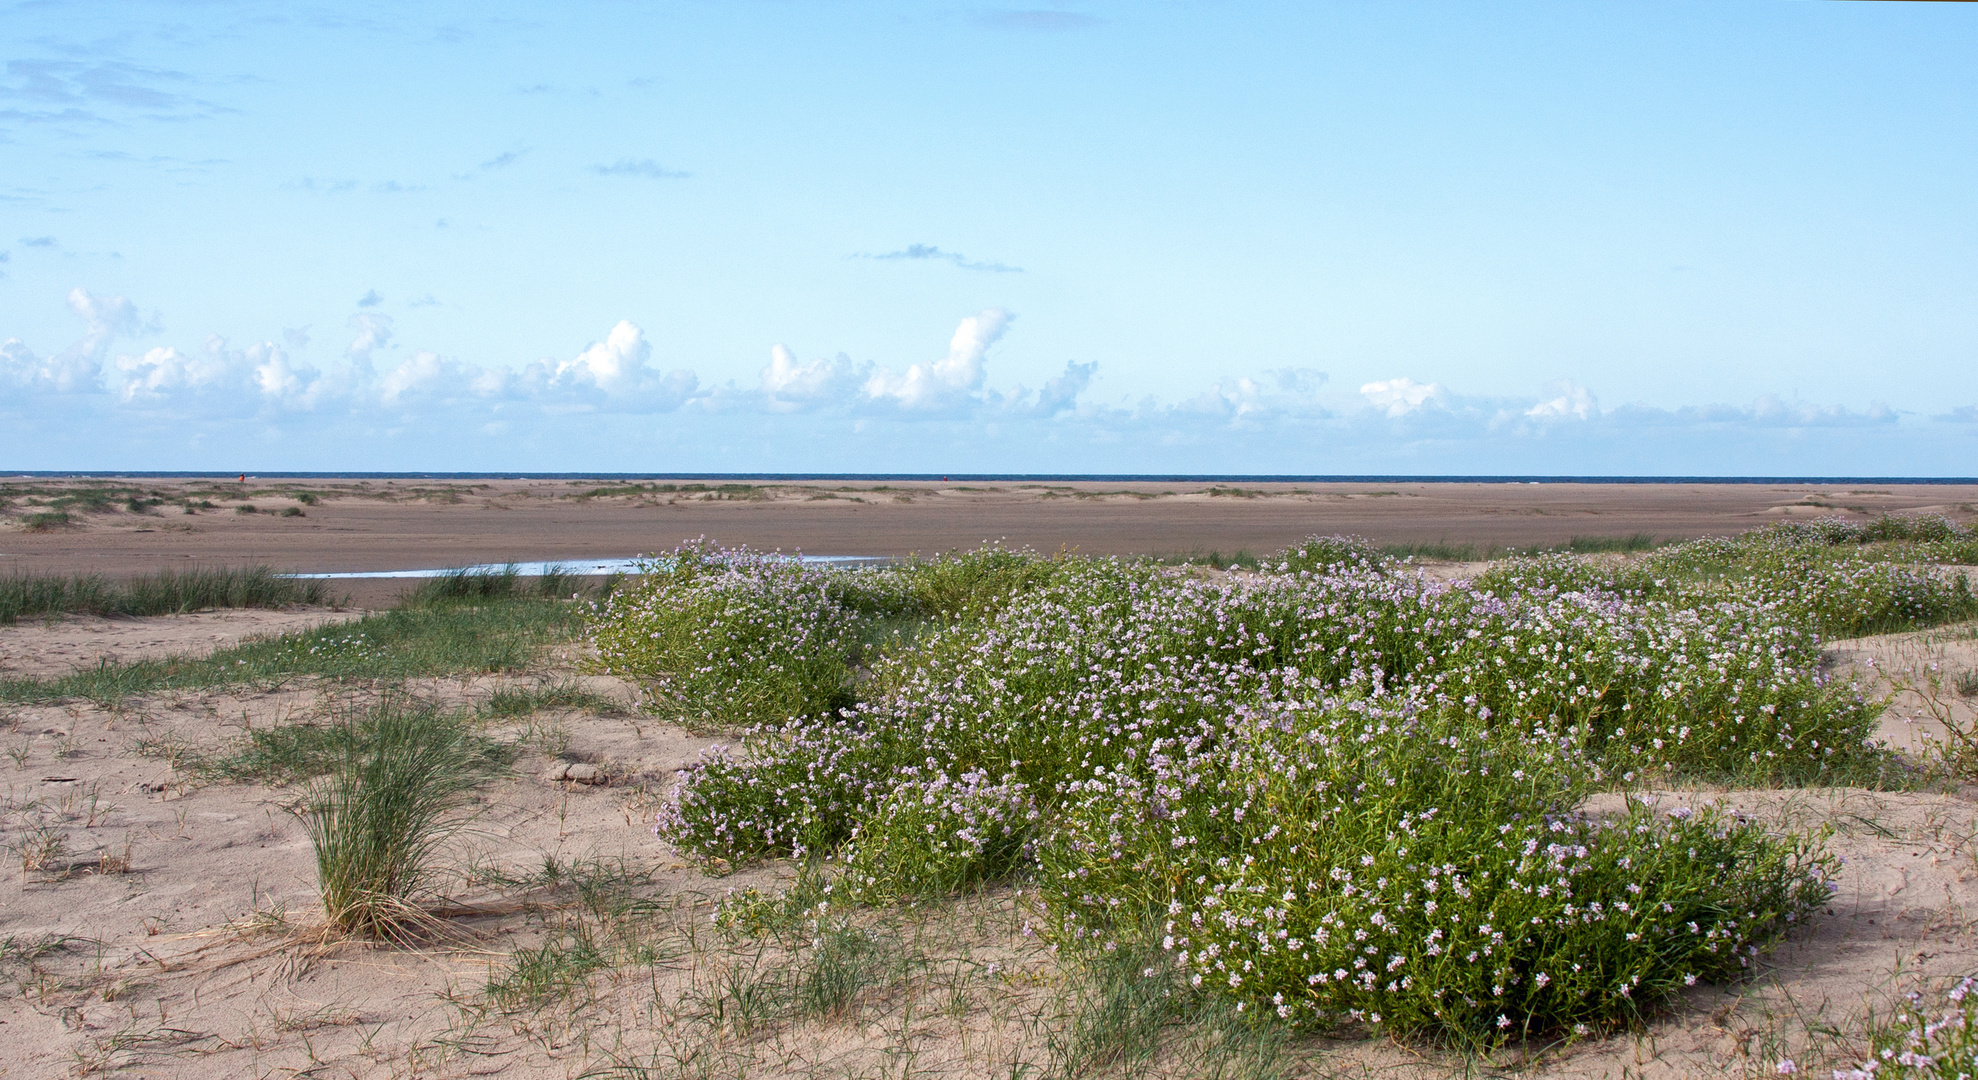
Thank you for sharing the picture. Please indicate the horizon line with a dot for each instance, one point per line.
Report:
(958, 477)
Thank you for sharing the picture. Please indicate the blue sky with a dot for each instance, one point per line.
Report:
(1710, 238)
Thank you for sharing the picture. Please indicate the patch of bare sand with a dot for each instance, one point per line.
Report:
(1920, 673)
(177, 912)
(42, 648)
(168, 933)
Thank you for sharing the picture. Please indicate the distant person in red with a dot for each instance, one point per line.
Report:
(243, 478)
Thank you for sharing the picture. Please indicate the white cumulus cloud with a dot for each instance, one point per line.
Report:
(1399, 397)
(78, 368)
(1573, 402)
(943, 385)
(788, 386)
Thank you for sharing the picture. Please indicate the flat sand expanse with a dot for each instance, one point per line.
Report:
(381, 525)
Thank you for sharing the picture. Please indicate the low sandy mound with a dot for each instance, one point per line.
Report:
(44, 648)
(1923, 673)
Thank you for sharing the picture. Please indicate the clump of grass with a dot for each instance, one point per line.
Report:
(379, 817)
(1601, 545)
(47, 520)
(510, 702)
(843, 962)
(1440, 551)
(87, 500)
(1213, 558)
(549, 972)
(506, 583)
(288, 753)
(166, 593)
(292, 511)
(246, 508)
(1119, 1002)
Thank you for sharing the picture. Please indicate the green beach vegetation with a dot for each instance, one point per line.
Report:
(168, 592)
(1333, 793)
(459, 623)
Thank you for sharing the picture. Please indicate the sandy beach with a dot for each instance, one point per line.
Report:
(359, 525)
(165, 925)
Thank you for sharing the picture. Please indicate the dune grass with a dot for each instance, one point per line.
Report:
(377, 818)
(1445, 551)
(291, 753)
(433, 639)
(506, 583)
(168, 592)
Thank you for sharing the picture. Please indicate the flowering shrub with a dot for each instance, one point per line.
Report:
(969, 584)
(733, 637)
(1325, 552)
(939, 834)
(1336, 791)
(1919, 1044)
(1831, 590)
(1347, 863)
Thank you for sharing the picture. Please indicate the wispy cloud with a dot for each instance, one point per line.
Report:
(500, 161)
(370, 299)
(38, 241)
(98, 92)
(644, 168)
(931, 253)
(312, 183)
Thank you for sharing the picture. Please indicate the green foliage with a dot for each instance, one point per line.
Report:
(1919, 1042)
(1321, 553)
(289, 753)
(975, 584)
(1347, 865)
(1339, 757)
(506, 583)
(46, 520)
(496, 636)
(933, 836)
(841, 964)
(168, 592)
(379, 817)
(1836, 588)
(509, 702)
(732, 638)
(550, 972)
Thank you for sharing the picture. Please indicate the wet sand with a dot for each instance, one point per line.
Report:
(379, 525)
